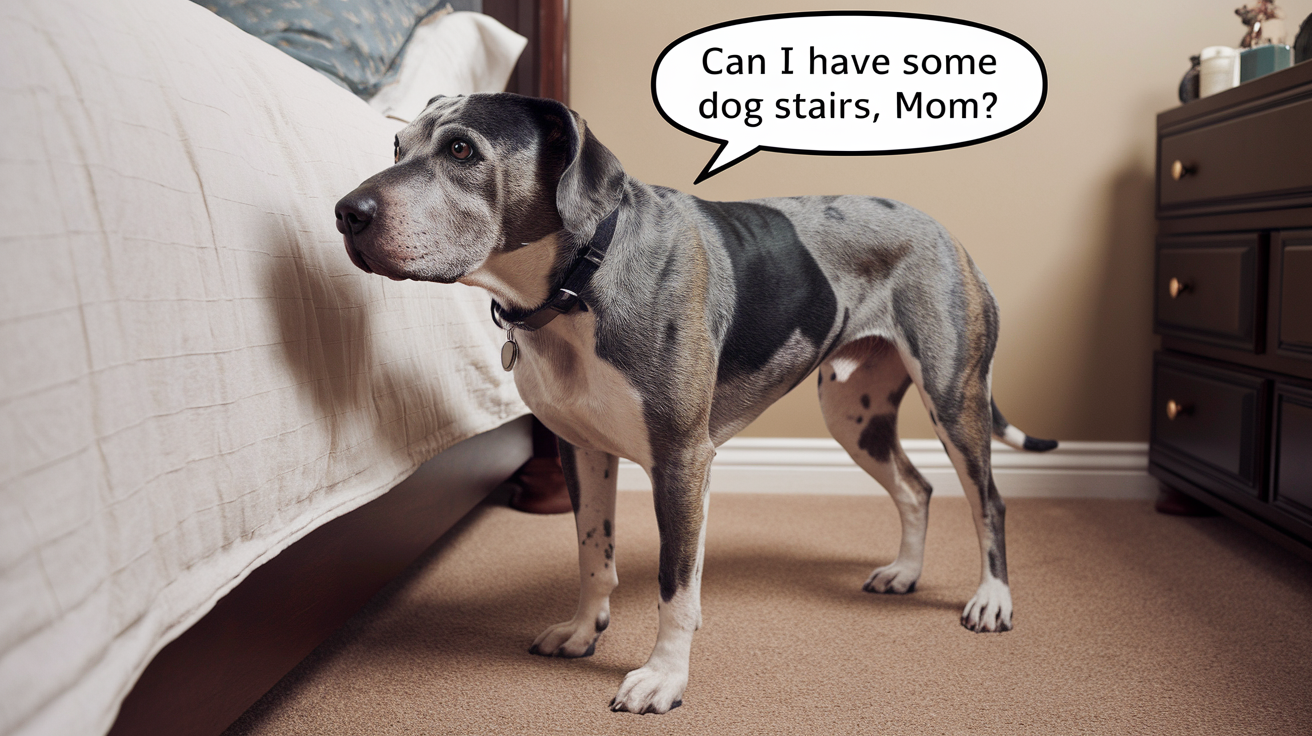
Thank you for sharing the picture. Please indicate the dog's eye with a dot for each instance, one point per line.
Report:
(461, 149)
(396, 150)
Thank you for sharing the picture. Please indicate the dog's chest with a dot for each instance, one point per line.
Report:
(583, 399)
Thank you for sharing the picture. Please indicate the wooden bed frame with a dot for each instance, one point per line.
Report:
(543, 69)
(206, 678)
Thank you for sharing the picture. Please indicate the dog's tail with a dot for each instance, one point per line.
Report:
(1016, 438)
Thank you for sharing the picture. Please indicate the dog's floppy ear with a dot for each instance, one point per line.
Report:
(590, 181)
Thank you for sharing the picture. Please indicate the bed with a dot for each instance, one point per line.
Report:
(220, 438)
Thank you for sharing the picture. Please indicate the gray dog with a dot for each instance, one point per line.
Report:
(649, 324)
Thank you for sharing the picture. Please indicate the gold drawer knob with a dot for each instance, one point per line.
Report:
(1175, 287)
(1175, 408)
(1180, 170)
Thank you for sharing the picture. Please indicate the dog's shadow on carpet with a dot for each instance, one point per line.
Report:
(498, 617)
(495, 624)
(774, 573)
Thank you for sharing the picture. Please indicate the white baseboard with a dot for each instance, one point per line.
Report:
(821, 466)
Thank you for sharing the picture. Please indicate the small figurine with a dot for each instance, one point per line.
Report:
(1254, 18)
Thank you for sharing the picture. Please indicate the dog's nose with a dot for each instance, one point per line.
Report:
(354, 213)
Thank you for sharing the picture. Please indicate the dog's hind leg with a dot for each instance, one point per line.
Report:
(680, 477)
(965, 430)
(860, 387)
(590, 478)
(947, 331)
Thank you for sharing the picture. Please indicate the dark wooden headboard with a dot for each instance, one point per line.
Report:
(543, 69)
(203, 680)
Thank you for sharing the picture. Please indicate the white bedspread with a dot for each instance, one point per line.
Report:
(193, 374)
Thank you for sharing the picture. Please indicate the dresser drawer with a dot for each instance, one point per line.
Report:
(1252, 157)
(1210, 289)
(1292, 301)
(1291, 471)
(1211, 418)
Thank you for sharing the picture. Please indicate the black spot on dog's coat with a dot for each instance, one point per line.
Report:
(671, 336)
(865, 401)
(879, 437)
(771, 267)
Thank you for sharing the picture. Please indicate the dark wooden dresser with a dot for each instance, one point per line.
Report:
(1232, 382)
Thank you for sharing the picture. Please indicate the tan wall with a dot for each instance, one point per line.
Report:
(1058, 216)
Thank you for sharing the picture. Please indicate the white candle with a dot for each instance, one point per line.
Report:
(1218, 70)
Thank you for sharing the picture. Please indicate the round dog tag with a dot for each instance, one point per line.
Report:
(509, 355)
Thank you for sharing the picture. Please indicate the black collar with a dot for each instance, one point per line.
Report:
(566, 298)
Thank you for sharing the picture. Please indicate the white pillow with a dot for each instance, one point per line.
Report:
(450, 54)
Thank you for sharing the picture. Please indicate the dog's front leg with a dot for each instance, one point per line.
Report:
(680, 480)
(590, 477)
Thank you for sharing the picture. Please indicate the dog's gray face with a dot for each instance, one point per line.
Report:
(473, 175)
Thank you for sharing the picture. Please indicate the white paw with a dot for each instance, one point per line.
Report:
(650, 690)
(990, 609)
(899, 577)
(572, 638)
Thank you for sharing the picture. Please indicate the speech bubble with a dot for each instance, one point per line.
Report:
(846, 83)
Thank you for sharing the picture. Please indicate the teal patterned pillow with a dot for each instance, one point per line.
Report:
(356, 43)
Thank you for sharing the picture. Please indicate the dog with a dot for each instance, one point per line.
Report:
(649, 324)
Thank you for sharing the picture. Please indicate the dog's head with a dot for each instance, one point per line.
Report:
(477, 175)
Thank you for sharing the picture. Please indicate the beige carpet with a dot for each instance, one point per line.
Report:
(1127, 622)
